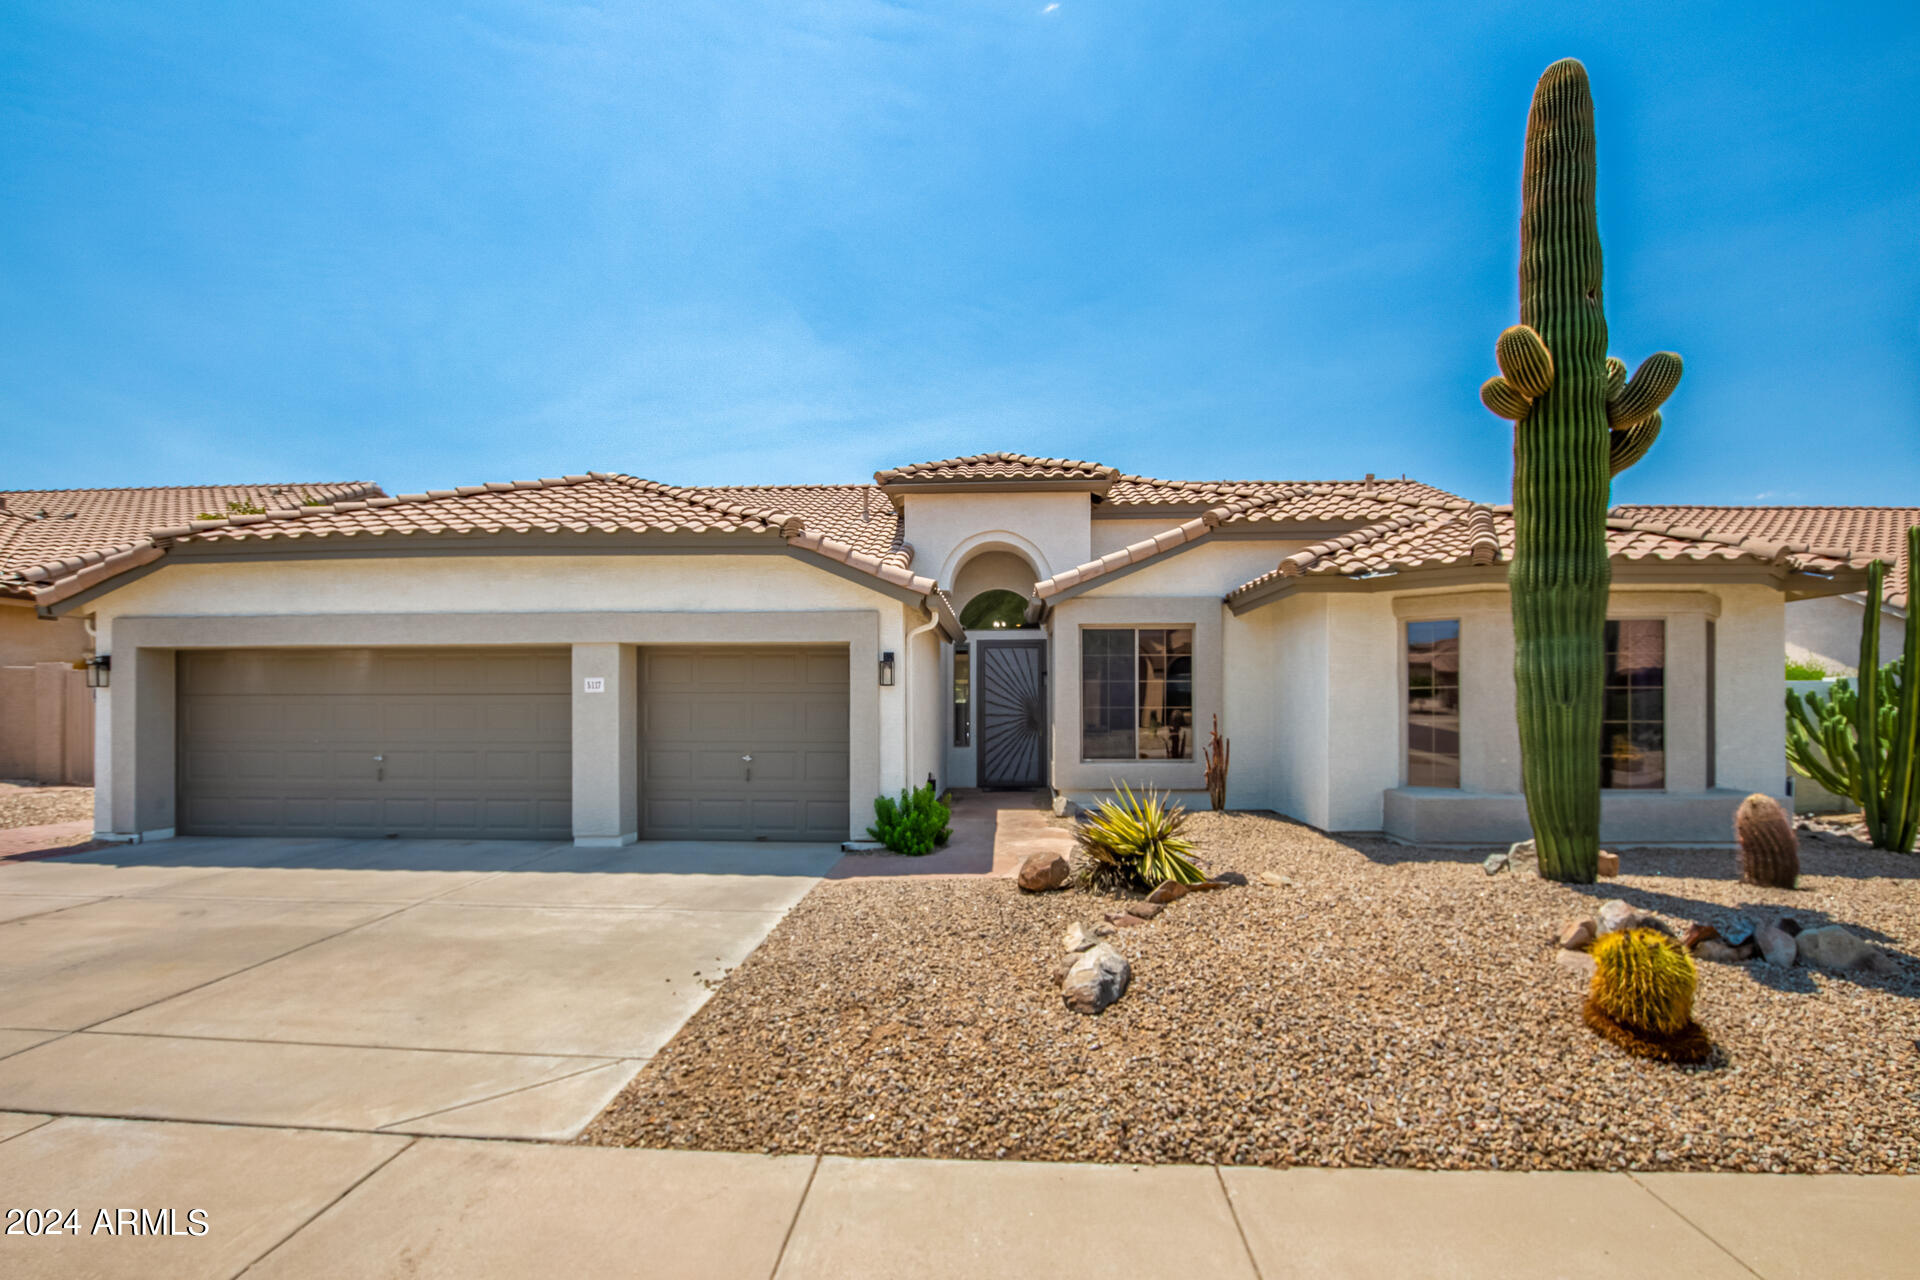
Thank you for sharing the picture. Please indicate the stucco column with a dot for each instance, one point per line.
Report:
(606, 744)
(139, 779)
(1686, 731)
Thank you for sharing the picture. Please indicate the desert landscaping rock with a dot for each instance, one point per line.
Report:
(1736, 931)
(1393, 1010)
(1044, 871)
(25, 805)
(1718, 952)
(1776, 945)
(1078, 937)
(1833, 947)
(1609, 864)
(1171, 891)
(1698, 934)
(1577, 963)
(1496, 863)
(1615, 915)
(1274, 880)
(1146, 910)
(1576, 935)
(1124, 920)
(1097, 979)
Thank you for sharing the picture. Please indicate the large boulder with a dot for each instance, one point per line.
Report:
(1043, 871)
(1098, 978)
(1832, 947)
(1776, 944)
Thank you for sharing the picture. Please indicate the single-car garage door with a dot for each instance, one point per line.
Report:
(743, 743)
(471, 743)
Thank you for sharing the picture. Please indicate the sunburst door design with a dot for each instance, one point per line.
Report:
(1013, 713)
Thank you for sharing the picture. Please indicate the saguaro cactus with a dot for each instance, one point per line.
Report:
(1578, 421)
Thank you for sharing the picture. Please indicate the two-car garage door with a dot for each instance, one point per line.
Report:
(736, 743)
(471, 743)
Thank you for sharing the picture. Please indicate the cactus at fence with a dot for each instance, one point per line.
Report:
(1863, 741)
(1769, 851)
(1578, 421)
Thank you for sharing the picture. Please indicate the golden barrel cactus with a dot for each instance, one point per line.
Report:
(1769, 851)
(1642, 996)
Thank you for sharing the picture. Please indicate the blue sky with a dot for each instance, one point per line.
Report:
(434, 245)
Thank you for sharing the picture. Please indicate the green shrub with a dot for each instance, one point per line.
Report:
(1806, 671)
(1135, 844)
(914, 824)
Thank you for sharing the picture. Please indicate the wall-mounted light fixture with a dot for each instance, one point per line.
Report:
(99, 670)
(886, 669)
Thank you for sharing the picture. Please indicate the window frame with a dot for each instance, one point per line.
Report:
(1134, 629)
(960, 732)
(1664, 622)
(1406, 699)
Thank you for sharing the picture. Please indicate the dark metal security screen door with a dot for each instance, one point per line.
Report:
(1013, 712)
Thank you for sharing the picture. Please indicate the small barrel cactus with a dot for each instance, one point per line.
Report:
(1769, 851)
(1642, 996)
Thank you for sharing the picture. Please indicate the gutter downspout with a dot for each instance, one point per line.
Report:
(911, 688)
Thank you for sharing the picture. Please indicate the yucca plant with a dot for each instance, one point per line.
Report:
(1135, 843)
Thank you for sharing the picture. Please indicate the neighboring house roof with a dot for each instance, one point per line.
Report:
(1880, 532)
(1480, 535)
(39, 527)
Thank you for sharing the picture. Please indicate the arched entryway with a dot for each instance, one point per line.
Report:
(1005, 667)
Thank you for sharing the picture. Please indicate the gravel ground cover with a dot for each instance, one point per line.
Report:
(1395, 1006)
(24, 805)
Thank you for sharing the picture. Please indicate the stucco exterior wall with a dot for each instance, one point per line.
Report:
(1211, 567)
(602, 605)
(26, 638)
(1299, 651)
(1049, 529)
(1827, 631)
(992, 571)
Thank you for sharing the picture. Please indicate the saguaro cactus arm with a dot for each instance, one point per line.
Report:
(1646, 391)
(1624, 448)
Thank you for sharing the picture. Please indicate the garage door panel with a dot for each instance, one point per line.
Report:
(702, 710)
(284, 742)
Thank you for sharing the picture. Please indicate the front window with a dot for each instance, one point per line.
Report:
(1433, 703)
(962, 698)
(1136, 693)
(1633, 733)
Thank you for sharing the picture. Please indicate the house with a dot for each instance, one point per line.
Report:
(608, 658)
(1821, 630)
(46, 716)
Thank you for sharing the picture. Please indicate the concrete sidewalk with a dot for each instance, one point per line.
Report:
(282, 1203)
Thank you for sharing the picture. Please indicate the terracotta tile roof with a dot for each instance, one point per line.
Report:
(856, 514)
(598, 502)
(1146, 491)
(46, 526)
(1880, 532)
(1268, 504)
(995, 466)
(1477, 534)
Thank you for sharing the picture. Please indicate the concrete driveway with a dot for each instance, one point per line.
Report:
(471, 988)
